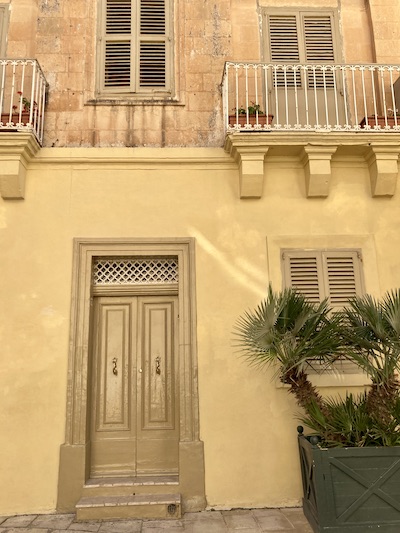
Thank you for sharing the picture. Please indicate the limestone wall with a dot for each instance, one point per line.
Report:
(62, 35)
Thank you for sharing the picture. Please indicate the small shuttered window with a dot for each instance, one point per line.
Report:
(318, 274)
(135, 46)
(332, 274)
(301, 38)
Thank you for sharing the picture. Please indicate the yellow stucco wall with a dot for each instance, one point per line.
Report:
(246, 422)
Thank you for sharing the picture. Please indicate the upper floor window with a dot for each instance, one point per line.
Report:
(300, 37)
(135, 54)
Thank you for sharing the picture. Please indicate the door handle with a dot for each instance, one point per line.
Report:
(115, 369)
(158, 365)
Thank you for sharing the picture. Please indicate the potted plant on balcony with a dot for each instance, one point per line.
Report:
(253, 116)
(351, 463)
(391, 120)
(20, 113)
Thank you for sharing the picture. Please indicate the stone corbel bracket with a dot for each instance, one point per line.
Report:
(315, 152)
(250, 156)
(383, 169)
(250, 159)
(17, 149)
(317, 168)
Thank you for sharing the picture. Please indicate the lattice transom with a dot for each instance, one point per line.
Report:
(134, 271)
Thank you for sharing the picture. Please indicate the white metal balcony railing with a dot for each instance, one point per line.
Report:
(22, 96)
(269, 97)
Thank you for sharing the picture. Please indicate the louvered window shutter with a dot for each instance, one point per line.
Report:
(118, 44)
(152, 55)
(284, 47)
(342, 275)
(318, 48)
(283, 39)
(318, 39)
(335, 275)
(303, 270)
(136, 45)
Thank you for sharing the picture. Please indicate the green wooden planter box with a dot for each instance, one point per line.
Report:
(351, 490)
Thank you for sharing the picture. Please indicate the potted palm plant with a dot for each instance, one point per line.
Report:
(350, 462)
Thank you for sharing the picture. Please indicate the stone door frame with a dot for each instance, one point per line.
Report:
(75, 452)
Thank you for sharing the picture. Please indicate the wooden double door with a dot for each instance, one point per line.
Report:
(135, 389)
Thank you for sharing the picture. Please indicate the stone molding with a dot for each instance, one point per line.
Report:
(17, 150)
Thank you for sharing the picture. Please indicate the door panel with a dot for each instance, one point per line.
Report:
(113, 410)
(134, 393)
(113, 434)
(158, 434)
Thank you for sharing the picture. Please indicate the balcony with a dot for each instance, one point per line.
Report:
(22, 103)
(312, 112)
(340, 98)
(22, 96)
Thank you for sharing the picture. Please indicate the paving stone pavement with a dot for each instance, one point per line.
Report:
(236, 521)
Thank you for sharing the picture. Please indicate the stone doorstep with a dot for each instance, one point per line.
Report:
(123, 486)
(132, 481)
(129, 506)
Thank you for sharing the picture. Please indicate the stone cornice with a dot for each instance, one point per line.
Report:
(137, 157)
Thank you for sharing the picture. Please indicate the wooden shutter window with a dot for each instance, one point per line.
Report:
(135, 45)
(338, 276)
(302, 38)
(335, 275)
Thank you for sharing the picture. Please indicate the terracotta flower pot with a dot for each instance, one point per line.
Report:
(5, 117)
(379, 121)
(241, 119)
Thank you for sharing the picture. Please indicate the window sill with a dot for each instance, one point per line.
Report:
(137, 101)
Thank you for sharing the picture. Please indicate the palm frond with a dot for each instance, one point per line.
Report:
(286, 329)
